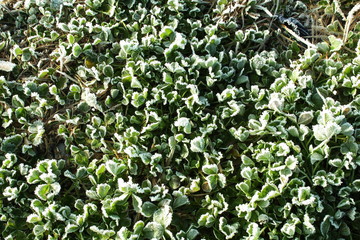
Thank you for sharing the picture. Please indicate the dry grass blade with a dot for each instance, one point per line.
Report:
(338, 9)
(351, 16)
(297, 37)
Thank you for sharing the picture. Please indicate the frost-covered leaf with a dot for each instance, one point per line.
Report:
(6, 66)
(47, 191)
(33, 218)
(137, 203)
(108, 71)
(178, 120)
(148, 208)
(197, 144)
(163, 216)
(76, 50)
(180, 201)
(206, 220)
(11, 143)
(102, 190)
(210, 169)
(228, 230)
(154, 230)
(114, 168)
(38, 230)
(335, 43)
(325, 226)
(70, 228)
(305, 117)
(322, 133)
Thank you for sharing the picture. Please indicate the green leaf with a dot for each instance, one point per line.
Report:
(185, 123)
(356, 185)
(244, 187)
(291, 162)
(17, 50)
(71, 39)
(166, 31)
(167, 78)
(325, 226)
(345, 229)
(76, 50)
(114, 168)
(153, 230)
(12, 143)
(100, 170)
(70, 228)
(148, 208)
(192, 234)
(344, 203)
(349, 147)
(322, 133)
(336, 163)
(75, 88)
(180, 201)
(221, 180)
(194, 186)
(47, 191)
(347, 129)
(105, 234)
(247, 173)
(9, 161)
(241, 133)
(323, 47)
(228, 230)
(135, 83)
(138, 227)
(38, 230)
(269, 191)
(197, 144)
(283, 149)
(211, 181)
(64, 27)
(17, 101)
(26, 55)
(33, 218)
(102, 190)
(163, 216)
(335, 43)
(2, 45)
(174, 182)
(210, 169)
(108, 71)
(137, 203)
(129, 3)
(206, 220)
(288, 229)
(54, 35)
(43, 73)
(315, 157)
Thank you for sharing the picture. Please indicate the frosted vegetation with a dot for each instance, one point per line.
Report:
(179, 119)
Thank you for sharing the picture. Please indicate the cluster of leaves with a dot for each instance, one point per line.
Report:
(175, 119)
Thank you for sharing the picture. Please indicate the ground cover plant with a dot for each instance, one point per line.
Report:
(179, 119)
